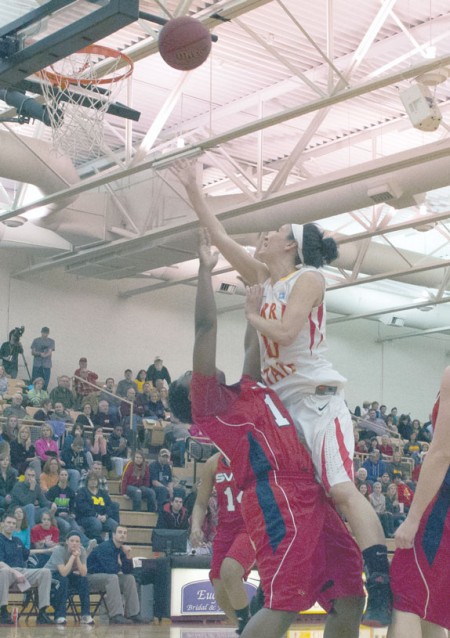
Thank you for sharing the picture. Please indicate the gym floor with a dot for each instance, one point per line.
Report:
(164, 630)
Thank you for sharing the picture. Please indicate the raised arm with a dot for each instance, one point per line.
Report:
(205, 310)
(202, 499)
(434, 469)
(249, 268)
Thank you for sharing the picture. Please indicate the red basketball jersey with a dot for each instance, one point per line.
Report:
(249, 423)
(228, 497)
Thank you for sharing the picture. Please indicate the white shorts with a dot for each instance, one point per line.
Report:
(324, 424)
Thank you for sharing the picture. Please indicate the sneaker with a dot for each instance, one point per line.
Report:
(379, 601)
(44, 619)
(60, 621)
(138, 619)
(257, 602)
(87, 620)
(120, 620)
(5, 619)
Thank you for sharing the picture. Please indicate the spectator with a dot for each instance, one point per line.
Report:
(29, 496)
(99, 449)
(173, 515)
(125, 384)
(136, 483)
(75, 459)
(378, 502)
(45, 535)
(11, 428)
(42, 348)
(46, 446)
(386, 448)
(50, 474)
(117, 450)
(385, 481)
(158, 371)
(63, 393)
(154, 408)
(393, 506)
(107, 415)
(9, 353)
(161, 478)
(110, 567)
(85, 383)
(16, 408)
(373, 444)
(37, 395)
(360, 445)
(361, 477)
(395, 466)
(383, 410)
(63, 496)
(404, 493)
(61, 414)
(412, 448)
(77, 430)
(3, 382)
(23, 452)
(177, 433)
(140, 380)
(68, 566)
(8, 478)
(13, 557)
(364, 489)
(374, 466)
(393, 415)
(45, 412)
(164, 398)
(86, 417)
(426, 431)
(94, 509)
(113, 401)
(97, 469)
(23, 530)
(125, 413)
(405, 426)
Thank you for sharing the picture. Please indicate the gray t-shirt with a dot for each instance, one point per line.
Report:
(60, 556)
(41, 344)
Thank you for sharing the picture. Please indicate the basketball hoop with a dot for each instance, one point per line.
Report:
(78, 91)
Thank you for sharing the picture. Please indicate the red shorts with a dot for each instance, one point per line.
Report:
(420, 577)
(289, 522)
(236, 546)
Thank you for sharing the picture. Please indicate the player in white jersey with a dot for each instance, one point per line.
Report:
(287, 308)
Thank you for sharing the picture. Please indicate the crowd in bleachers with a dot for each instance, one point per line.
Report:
(389, 452)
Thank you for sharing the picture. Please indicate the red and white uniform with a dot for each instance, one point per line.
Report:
(304, 552)
(420, 577)
(231, 539)
(295, 372)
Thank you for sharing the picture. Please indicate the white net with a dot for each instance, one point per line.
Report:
(78, 91)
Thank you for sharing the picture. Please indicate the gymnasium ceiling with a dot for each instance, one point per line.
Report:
(296, 116)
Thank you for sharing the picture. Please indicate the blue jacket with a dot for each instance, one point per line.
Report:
(104, 559)
(13, 552)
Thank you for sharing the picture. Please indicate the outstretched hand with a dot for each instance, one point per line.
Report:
(208, 257)
(253, 300)
(185, 170)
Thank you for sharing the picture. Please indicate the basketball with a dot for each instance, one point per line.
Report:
(184, 43)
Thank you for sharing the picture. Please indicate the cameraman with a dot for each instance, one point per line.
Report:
(41, 349)
(10, 350)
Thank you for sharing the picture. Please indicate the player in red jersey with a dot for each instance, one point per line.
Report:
(420, 568)
(291, 323)
(233, 555)
(304, 552)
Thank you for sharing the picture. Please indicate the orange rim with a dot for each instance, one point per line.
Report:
(62, 80)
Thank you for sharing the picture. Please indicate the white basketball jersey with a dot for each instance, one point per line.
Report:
(300, 367)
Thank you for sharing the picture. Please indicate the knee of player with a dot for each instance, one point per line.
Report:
(230, 570)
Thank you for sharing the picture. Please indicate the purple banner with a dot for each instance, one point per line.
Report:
(198, 598)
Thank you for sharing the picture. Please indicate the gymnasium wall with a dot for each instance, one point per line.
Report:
(87, 318)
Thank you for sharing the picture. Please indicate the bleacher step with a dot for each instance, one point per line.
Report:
(138, 519)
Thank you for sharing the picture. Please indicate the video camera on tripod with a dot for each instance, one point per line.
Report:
(15, 334)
